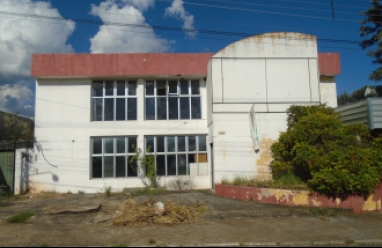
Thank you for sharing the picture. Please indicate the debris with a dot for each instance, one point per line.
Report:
(55, 211)
(152, 212)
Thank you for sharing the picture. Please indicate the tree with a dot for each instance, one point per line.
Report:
(14, 128)
(333, 158)
(371, 27)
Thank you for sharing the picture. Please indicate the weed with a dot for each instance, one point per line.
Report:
(284, 182)
(349, 241)
(69, 192)
(161, 245)
(178, 185)
(149, 191)
(107, 191)
(241, 244)
(81, 192)
(152, 241)
(22, 217)
(201, 208)
(251, 199)
(119, 245)
(44, 245)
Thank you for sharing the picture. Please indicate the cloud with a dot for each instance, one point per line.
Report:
(17, 98)
(22, 35)
(177, 10)
(129, 37)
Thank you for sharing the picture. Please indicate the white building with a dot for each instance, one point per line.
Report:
(205, 116)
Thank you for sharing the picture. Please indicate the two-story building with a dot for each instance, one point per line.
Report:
(204, 116)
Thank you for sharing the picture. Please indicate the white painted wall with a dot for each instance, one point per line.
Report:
(64, 127)
(271, 71)
(329, 94)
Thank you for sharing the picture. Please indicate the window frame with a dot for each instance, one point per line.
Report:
(115, 96)
(186, 152)
(115, 154)
(169, 95)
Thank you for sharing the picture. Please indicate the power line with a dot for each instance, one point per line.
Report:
(166, 28)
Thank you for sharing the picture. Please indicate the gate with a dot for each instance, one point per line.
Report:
(7, 171)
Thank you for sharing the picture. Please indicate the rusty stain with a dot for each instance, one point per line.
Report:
(265, 148)
(369, 204)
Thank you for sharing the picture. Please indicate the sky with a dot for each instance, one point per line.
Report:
(177, 26)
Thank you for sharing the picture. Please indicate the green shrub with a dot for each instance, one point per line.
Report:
(22, 217)
(331, 157)
(107, 191)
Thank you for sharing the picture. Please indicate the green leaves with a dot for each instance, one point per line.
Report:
(330, 156)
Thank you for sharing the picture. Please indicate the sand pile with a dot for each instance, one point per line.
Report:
(153, 212)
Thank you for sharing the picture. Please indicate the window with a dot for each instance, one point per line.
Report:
(111, 155)
(114, 100)
(172, 100)
(175, 154)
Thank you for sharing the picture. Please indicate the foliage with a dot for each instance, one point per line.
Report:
(371, 27)
(283, 182)
(148, 191)
(332, 158)
(147, 161)
(107, 191)
(346, 98)
(13, 128)
(22, 217)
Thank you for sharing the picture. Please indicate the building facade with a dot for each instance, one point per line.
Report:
(204, 116)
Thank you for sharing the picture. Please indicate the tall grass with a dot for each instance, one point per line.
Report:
(284, 182)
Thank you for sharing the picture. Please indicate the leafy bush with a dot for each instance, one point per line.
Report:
(331, 157)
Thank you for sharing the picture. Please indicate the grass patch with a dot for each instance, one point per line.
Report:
(323, 213)
(284, 182)
(119, 245)
(349, 241)
(44, 245)
(22, 217)
(81, 192)
(149, 191)
(152, 241)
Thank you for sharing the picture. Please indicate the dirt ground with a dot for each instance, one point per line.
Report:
(224, 222)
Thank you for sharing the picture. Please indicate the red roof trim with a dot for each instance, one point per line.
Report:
(140, 64)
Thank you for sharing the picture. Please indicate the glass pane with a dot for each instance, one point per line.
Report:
(149, 88)
(150, 143)
(192, 158)
(171, 143)
(171, 165)
(181, 143)
(202, 143)
(120, 166)
(195, 108)
(121, 109)
(182, 165)
(108, 145)
(161, 165)
(184, 87)
(97, 88)
(120, 88)
(160, 143)
(97, 167)
(108, 166)
(191, 143)
(132, 144)
(97, 145)
(202, 158)
(121, 145)
(150, 108)
(109, 109)
(132, 168)
(173, 108)
(97, 109)
(173, 87)
(195, 87)
(161, 88)
(132, 107)
(109, 88)
(161, 108)
(184, 108)
(132, 88)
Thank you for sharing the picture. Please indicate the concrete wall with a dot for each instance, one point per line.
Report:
(64, 127)
(328, 91)
(271, 72)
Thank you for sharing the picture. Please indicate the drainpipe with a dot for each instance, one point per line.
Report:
(253, 128)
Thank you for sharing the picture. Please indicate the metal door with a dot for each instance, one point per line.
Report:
(7, 171)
